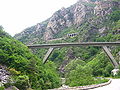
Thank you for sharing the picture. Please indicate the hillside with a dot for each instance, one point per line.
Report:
(88, 18)
(85, 21)
(24, 69)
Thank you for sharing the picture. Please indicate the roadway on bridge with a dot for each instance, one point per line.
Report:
(115, 85)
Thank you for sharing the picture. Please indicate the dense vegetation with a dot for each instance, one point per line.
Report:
(79, 65)
(78, 73)
(86, 63)
(27, 71)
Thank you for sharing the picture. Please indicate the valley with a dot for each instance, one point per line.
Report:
(80, 44)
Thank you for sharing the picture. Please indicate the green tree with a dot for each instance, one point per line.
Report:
(115, 16)
(80, 76)
(25, 66)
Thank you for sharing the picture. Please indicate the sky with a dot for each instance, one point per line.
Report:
(16, 15)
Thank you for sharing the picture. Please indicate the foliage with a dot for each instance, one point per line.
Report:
(27, 70)
(85, 53)
(14, 72)
(101, 65)
(78, 73)
(89, 61)
(58, 55)
(100, 80)
(89, 4)
(115, 16)
(80, 76)
(117, 26)
(66, 31)
(73, 64)
(22, 82)
(96, 60)
(2, 88)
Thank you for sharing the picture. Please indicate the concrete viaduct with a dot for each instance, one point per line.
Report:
(104, 45)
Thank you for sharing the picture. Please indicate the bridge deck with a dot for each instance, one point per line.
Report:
(74, 44)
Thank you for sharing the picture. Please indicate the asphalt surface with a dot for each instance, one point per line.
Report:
(114, 85)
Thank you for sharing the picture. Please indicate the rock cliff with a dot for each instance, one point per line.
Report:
(4, 75)
(92, 11)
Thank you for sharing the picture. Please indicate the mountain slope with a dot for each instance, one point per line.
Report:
(26, 70)
(85, 13)
(87, 20)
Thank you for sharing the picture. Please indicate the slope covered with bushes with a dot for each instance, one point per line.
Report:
(27, 71)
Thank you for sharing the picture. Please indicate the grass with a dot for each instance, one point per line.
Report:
(101, 80)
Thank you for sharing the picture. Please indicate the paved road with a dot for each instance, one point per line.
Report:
(115, 85)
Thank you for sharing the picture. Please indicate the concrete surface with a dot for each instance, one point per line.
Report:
(114, 85)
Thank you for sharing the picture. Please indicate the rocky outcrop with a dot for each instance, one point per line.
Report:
(32, 34)
(102, 8)
(12, 88)
(4, 75)
(67, 17)
(74, 15)
(59, 21)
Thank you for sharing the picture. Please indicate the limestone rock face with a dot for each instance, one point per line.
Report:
(12, 88)
(67, 17)
(105, 7)
(32, 34)
(4, 75)
(102, 9)
(57, 23)
(74, 15)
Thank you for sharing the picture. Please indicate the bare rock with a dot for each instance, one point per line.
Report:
(75, 15)
(12, 88)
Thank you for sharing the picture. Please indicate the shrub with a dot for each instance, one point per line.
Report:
(80, 76)
(22, 82)
(115, 16)
(14, 72)
(2, 88)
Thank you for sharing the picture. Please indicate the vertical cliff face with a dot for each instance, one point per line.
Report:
(75, 15)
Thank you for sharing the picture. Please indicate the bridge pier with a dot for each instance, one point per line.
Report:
(113, 61)
(47, 55)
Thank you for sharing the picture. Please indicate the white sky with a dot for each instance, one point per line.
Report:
(16, 15)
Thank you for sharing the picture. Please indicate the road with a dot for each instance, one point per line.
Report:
(115, 85)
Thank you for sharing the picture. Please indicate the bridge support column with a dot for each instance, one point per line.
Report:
(115, 64)
(47, 55)
(113, 61)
